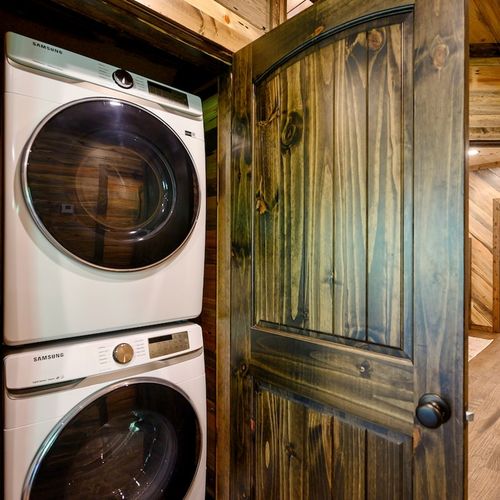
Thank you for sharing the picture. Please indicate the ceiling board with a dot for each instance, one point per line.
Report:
(484, 21)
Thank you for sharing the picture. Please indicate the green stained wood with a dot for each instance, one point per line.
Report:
(293, 199)
(280, 458)
(385, 185)
(319, 455)
(349, 188)
(385, 109)
(268, 276)
(317, 73)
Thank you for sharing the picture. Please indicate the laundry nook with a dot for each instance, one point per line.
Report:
(251, 249)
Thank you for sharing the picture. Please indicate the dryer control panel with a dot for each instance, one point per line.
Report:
(66, 64)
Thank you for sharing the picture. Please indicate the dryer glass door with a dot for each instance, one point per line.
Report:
(141, 440)
(111, 184)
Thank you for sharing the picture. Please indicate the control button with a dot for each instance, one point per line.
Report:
(123, 78)
(123, 353)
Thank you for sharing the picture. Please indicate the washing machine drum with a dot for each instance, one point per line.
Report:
(111, 184)
(140, 441)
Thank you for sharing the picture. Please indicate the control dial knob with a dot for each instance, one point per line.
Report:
(123, 353)
(123, 78)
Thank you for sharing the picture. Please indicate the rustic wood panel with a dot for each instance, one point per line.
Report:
(392, 454)
(294, 202)
(484, 188)
(349, 459)
(371, 386)
(484, 69)
(318, 481)
(207, 318)
(279, 447)
(385, 185)
(329, 219)
(348, 376)
(349, 188)
(268, 207)
(223, 312)
(242, 203)
(317, 90)
(440, 132)
(303, 453)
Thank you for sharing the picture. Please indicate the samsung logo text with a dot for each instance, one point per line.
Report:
(47, 357)
(47, 47)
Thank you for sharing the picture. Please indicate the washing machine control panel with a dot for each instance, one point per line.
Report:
(60, 362)
(168, 344)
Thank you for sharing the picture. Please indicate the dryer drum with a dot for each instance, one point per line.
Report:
(111, 184)
(140, 441)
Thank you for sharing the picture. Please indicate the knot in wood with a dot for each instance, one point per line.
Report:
(439, 53)
(375, 39)
(292, 131)
(290, 450)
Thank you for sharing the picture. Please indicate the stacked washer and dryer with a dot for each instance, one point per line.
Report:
(104, 231)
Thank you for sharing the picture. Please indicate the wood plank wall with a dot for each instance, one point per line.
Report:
(484, 189)
(208, 316)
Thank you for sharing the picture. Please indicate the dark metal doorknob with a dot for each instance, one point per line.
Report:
(432, 411)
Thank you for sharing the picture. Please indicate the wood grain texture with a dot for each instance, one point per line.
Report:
(440, 132)
(268, 294)
(281, 461)
(317, 19)
(304, 453)
(393, 456)
(349, 461)
(159, 31)
(211, 20)
(318, 481)
(223, 299)
(496, 266)
(484, 430)
(330, 213)
(484, 188)
(385, 185)
(242, 474)
(343, 374)
(207, 318)
(350, 379)
(350, 186)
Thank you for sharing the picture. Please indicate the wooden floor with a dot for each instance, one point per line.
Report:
(484, 431)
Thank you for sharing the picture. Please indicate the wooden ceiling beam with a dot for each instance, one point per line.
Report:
(207, 18)
(128, 16)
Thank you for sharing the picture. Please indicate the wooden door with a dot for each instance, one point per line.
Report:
(347, 253)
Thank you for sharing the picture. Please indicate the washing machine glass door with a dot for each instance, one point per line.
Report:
(139, 440)
(111, 184)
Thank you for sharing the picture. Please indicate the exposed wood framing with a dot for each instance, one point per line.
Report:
(207, 18)
(129, 16)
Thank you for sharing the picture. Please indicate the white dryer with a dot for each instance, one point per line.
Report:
(113, 416)
(104, 197)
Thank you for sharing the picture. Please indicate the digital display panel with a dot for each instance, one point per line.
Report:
(168, 344)
(168, 93)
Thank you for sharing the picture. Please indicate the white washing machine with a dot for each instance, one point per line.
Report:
(104, 197)
(113, 416)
